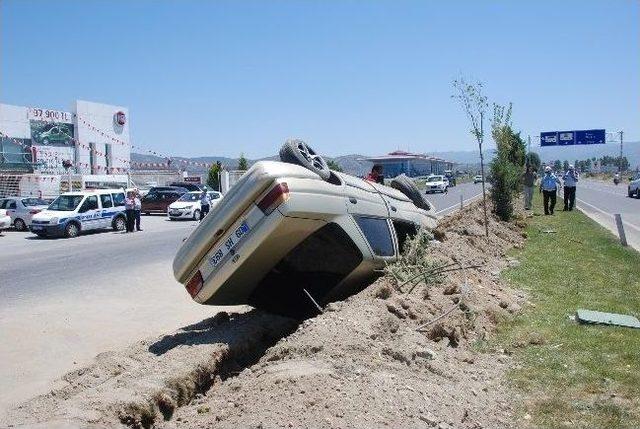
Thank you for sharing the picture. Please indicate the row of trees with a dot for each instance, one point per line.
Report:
(507, 167)
(213, 178)
(589, 163)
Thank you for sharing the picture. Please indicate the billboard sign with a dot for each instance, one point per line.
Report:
(47, 133)
(568, 138)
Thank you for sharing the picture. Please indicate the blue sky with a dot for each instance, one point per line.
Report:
(224, 77)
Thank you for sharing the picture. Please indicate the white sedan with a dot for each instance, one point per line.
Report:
(21, 210)
(436, 183)
(188, 205)
(5, 220)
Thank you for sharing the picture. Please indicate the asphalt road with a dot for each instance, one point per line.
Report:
(600, 201)
(64, 301)
(450, 201)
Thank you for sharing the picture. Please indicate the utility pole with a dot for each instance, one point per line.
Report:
(620, 162)
(484, 193)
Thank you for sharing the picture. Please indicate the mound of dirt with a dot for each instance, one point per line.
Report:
(396, 354)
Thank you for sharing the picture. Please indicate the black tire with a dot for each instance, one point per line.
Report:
(45, 141)
(405, 185)
(196, 214)
(72, 230)
(119, 223)
(20, 225)
(297, 152)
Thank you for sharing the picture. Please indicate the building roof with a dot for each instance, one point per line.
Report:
(400, 155)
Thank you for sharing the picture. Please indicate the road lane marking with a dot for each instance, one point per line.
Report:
(458, 204)
(637, 228)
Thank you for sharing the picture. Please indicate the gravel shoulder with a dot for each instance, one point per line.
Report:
(363, 363)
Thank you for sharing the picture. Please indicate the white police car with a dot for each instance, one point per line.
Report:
(74, 212)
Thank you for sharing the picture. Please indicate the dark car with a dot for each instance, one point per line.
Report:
(191, 187)
(168, 189)
(159, 201)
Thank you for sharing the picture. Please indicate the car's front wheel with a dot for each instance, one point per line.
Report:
(196, 214)
(119, 224)
(19, 224)
(72, 230)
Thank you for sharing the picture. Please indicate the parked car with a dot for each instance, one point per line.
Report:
(287, 232)
(75, 212)
(191, 187)
(159, 201)
(53, 135)
(477, 179)
(436, 183)
(634, 187)
(21, 210)
(5, 220)
(188, 205)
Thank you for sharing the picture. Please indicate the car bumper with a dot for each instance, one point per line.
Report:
(181, 214)
(49, 230)
(5, 222)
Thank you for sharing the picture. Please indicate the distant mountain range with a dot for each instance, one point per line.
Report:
(356, 165)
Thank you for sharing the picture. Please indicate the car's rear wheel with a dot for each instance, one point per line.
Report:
(196, 214)
(72, 230)
(19, 224)
(297, 152)
(119, 224)
(405, 185)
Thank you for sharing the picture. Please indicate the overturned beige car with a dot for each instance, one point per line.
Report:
(291, 236)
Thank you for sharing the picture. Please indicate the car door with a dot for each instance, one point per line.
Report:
(362, 198)
(150, 202)
(11, 208)
(89, 213)
(107, 210)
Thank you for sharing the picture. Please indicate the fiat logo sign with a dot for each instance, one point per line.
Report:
(120, 118)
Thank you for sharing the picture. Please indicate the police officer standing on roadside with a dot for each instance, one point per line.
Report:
(549, 188)
(137, 208)
(129, 209)
(204, 204)
(570, 180)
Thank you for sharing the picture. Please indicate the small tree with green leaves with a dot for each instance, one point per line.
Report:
(213, 179)
(334, 166)
(507, 166)
(557, 165)
(533, 160)
(242, 163)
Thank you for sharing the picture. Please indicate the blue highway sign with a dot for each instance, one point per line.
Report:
(568, 138)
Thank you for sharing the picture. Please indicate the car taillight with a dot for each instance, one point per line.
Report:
(194, 285)
(34, 211)
(278, 195)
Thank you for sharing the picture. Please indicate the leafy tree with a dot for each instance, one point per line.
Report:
(474, 104)
(213, 179)
(242, 163)
(533, 160)
(506, 167)
(557, 165)
(565, 165)
(334, 166)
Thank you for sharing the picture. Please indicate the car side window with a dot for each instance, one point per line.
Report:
(91, 203)
(404, 231)
(3, 203)
(377, 233)
(105, 199)
(12, 205)
(150, 197)
(118, 199)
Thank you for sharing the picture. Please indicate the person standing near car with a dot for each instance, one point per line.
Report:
(549, 188)
(129, 210)
(137, 208)
(528, 180)
(570, 180)
(376, 174)
(204, 204)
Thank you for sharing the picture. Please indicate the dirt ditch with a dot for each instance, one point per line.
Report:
(384, 357)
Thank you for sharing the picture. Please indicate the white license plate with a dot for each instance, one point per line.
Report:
(229, 244)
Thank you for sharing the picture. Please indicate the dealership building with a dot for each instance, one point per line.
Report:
(43, 151)
(411, 164)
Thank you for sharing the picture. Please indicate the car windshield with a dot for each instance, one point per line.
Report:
(434, 179)
(189, 197)
(34, 202)
(65, 203)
